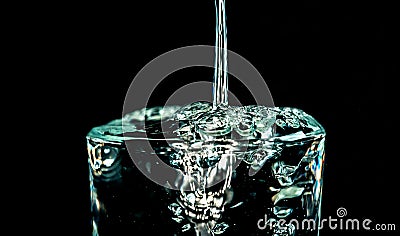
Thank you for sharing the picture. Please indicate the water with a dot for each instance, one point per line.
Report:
(220, 83)
(281, 154)
(245, 168)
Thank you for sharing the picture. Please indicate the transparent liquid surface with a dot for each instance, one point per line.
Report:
(272, 159)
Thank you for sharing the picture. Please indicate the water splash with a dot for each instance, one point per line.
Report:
(283, 147)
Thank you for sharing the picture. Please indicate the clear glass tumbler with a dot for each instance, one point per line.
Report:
(273, 159)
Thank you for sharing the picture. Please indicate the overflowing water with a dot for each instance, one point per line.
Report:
(240, 165)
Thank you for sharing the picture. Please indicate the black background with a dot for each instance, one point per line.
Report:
(329, 59)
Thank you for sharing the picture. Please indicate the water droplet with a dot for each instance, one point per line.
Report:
(178, 219)
(220, 228)
(282, 212)
(280, 123)
(97, 164)
(175, 208)
(186, 227)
